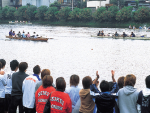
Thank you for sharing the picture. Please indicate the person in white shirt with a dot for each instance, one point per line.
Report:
(14, 64)
(3, 66)
(73, 91)
(28, 90)
(2, 91)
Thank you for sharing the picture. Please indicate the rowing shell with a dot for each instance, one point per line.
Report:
(131, 38)
(32, 39)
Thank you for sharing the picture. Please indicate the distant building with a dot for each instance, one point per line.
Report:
(97, 3)
(13, 3)
(37, 3)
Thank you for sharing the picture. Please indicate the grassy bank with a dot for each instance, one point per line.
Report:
(86, 24)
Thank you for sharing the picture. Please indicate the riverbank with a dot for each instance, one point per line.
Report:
(85, 24)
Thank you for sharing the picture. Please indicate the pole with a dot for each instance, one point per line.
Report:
(72, 5)
(100, 3)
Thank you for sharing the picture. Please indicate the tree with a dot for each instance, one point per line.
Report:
(85, 14)
(30, 12)
(41, 12)
(74, 15)
(10, 13)
(51, 14)
(64, 13)
(4, 12)
(56, 4)
(97, 15)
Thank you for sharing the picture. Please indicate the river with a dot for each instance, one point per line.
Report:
(73, 51)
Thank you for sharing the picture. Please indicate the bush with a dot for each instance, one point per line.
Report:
(4, 12)
(113, 9)
(51, 14)
(106, 16)
(41, 12)
(10, 13)
(85, 14)
(1, 13)
(97, 14)
(124, 14)
(64, 13)
(30, 12)
(74, 15)
(21, 13)
(56, 4)
(142, 14)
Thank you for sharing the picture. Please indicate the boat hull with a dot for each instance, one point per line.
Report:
(32, 39)
(131, 38)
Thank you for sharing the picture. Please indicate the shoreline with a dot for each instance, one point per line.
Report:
(84, 24)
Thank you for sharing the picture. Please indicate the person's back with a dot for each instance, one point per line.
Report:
(128, 96)
(87, 104)
(73, 90)
(16, 93)
(144, 97)
(43, 92)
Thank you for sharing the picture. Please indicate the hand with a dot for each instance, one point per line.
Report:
(97, 74)
(2, 72)
(113, 73)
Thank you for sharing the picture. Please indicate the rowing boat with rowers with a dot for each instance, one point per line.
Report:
(131, 38)
(32, 39)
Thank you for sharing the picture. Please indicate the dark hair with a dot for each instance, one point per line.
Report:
(36, 69)
(130, 80)
(147, 81)
(104, 86)
(121, 82)
(47, 81)
(86, 82)
(0, 65)
(74, 80)
(3, 62)
(14, 64)
(111, 84)
(61, 83)
(45, 72)
(23, 66)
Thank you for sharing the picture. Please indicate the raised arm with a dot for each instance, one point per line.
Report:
(113, 74)
(115, 86)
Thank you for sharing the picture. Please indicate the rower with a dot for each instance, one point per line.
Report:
(140, 27)
(134, 27)
(116, 34)
(124, 34)
(28, 35)
(23, 35)
(102, 34)
(34, 34)
(132, 34)
(13, 34)
(19, 34)
(10, 32)
(99, 33)
(130, 27)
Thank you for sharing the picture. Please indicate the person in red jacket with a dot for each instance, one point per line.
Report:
(59, 102)
(43, 92)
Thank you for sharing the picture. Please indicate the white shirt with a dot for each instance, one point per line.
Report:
(28, 89)
(8, 78)
(3, 82)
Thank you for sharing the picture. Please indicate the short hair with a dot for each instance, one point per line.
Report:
(130, 80)
(74, 80)
(104, 86)
(3, 62)
(86, 82)
(14, 64)
(23, 66)
(0, 65)
(111, 84)
(45, 72)
(147, 81)
(121, 82)
(36, 69)
(61, 83)
(47, 81)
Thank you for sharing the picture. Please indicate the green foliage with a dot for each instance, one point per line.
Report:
(30, 12)
(64, 13)
(51, 14)
(124, 14)
(85, 14)
(4, 12)
(119, 3)
(1, 13)
(41, 12)
(21, 13)
(106, 16)
(56, 4)
(97, 15)
(81, 4)
(16, 14)
(142, 14)
(10, 13)
(113, 9)
(74, 15)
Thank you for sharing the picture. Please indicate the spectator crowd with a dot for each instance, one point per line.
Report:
(32, 94)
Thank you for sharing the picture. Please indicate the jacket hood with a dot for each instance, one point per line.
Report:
(129, 90)
(84, 92)
(146, 92)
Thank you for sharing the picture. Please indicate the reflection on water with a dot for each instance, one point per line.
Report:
(74, 51)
